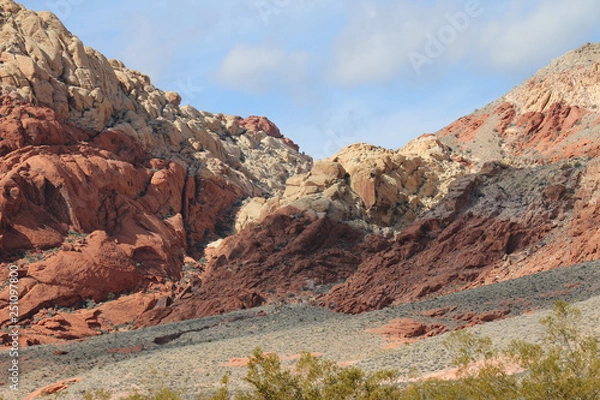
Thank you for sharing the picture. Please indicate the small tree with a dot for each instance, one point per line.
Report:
(565, 365)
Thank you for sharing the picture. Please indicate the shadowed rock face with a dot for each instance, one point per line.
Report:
(490, 227)
(90, 208)
(288, 257)
(89, 215)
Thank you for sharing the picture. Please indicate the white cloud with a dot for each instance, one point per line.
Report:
(384, 40)
(146, 49)
(259, 69)
(526, 35)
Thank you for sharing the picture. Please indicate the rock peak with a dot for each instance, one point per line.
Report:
(98, 164)
(587, 54)
(549, 117)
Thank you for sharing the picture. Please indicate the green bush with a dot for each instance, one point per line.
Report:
(163, 393)
(566, 365)
(311, 379)
(97, 394)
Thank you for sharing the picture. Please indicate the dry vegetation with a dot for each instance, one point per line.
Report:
(565, 365)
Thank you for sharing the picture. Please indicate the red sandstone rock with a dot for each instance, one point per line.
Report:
(407, 330)
(208, 205)
(548, 135)
(22, 124)
(438, 312)
(287, 253)
(455, 246)
(404, 328)
(506, 115)
(465, 128)
(98, 218)
(473, 318)
(51, 389)
(256, 123)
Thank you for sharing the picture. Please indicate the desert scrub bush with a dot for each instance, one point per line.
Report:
(155, 393)
(489, 380)
(162, 393)
(565, 365)
(89, 304)
(156, 385)
(310, 379)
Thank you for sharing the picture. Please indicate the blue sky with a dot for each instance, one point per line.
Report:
(332, 72)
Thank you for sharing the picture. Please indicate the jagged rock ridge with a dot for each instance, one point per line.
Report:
(106, 182)
(549, 117)
(523, 173)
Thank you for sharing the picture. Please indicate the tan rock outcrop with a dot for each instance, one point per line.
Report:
(489, 227)
(42, 62)
(111, 191)
(571, 79)
(367, 183)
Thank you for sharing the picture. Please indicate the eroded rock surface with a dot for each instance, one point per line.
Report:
(106, 182)
(369, 186)
(288, 257)
(491, 226)
(550, 117)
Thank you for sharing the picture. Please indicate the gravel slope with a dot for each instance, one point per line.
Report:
(191, 355)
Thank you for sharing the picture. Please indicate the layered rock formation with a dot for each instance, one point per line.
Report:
(523, 215)
(491, 226)
(551, 116)
(521, 173)
(106, 182)
(289, 257)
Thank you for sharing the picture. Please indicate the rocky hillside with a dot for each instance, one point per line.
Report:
(125, 209)
(108, 186)
(505, 192)
(368, 186)
(550, 117)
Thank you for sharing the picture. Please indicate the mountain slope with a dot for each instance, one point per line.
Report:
(530, 207)
(552, 116)
(523, 199)
(107, 183)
